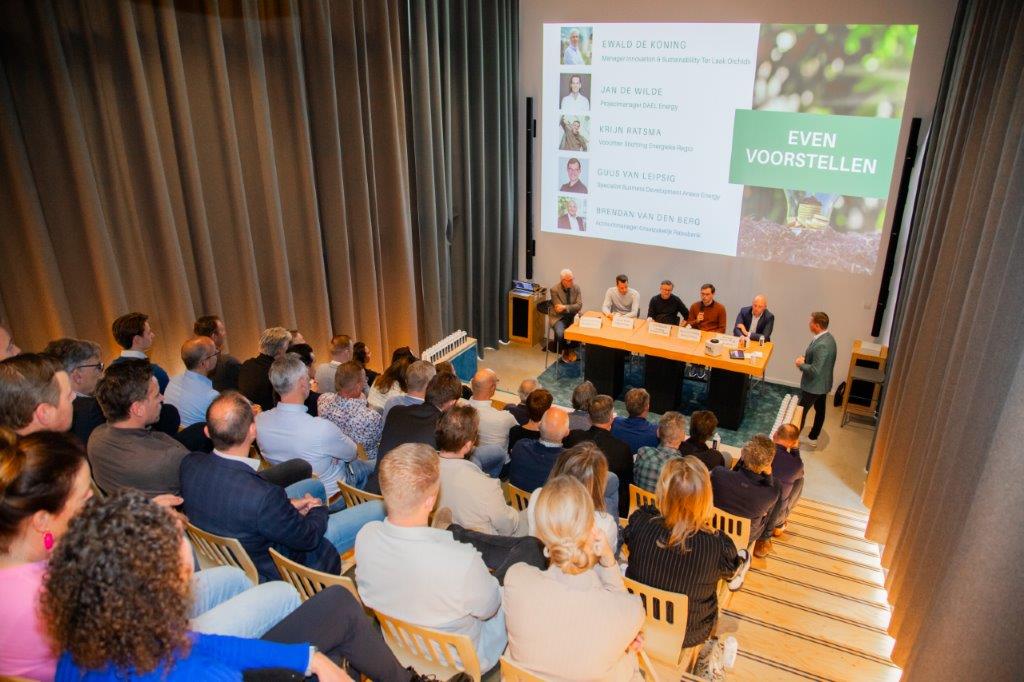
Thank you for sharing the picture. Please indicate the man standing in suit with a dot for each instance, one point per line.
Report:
(755, 321)
(816, 366)
(223, 494)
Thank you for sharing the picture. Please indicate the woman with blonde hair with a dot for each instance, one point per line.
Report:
(673, 547)
(575, 620)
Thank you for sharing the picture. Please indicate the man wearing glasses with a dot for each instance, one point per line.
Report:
(192, 391)
(81, 360)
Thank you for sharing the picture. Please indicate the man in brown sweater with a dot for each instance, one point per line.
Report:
(707, 314)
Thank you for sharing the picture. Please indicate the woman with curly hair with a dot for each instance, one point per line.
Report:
(116, 602)
(674, 547)
(575, 620)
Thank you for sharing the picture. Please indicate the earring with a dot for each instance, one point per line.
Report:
(48, 540)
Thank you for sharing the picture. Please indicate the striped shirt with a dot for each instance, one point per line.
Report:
(649, 462)
(694, 572)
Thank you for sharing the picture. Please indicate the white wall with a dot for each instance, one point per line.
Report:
(792, 292)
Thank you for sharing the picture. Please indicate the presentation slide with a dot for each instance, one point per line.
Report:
(767, 141)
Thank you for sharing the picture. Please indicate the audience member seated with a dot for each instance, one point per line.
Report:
(424, 575)
(124, 454)
(81, 361)
(192, 391)
(305, 353)
(702, 428)
(474, 498)
(537, 405)
(225, 374)
(347, 407)
(134, 334)
(532, 460)
(225, 495)
(579, 418)
(673, 547)
(35, 394)
(96, 577)
(446, 367)
(8, 349)
(361, 354)
(574, 620)
(750, 491)
(390, 384)
(587, 464)
(44, 483)
(494, 424)
(634, 430)
(417, 376)
(520, 411)
(650, 460)
(416, 423)
(788, 470)
(289, 432)
(620, 459)
(341, 352)
(254, 374)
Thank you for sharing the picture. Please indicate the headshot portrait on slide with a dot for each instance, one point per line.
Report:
(571, 214)
(577, 43)
(575, 133)
(572, 175)
(574, 89)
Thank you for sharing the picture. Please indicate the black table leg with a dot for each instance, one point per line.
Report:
(604, 368)
(663, 379)
(727, 397)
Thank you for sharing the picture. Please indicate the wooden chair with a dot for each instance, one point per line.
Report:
(309, 581)
(96, 490)
(429, 651)
(510, 672)
(736, 527)
(638, 497)
(215, 550)
(515, 497)
(354, 496)
(665, 627)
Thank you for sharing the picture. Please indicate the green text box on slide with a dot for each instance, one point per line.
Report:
(850, 155)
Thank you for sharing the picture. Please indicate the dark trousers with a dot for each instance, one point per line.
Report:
(336, 624)
(501, 552)
(790, 502)
(817, 401)
(286, 473)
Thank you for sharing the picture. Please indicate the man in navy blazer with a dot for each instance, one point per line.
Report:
(225, 495)
(755, 321)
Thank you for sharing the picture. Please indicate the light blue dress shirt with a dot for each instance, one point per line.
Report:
(191, 393)
(289, 431)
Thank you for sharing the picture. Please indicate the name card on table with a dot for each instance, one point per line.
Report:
(590, 323)
(688, 334)
(622, 322)
(659, 329)
(728, 341)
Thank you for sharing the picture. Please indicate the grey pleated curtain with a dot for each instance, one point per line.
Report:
(250, 159)
(945, 488)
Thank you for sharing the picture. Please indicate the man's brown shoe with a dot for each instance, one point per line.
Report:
(761, 548)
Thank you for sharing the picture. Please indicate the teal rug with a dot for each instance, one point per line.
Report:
(763, 399)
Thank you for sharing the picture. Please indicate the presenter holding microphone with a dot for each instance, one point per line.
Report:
(816, 366)
(707, 314)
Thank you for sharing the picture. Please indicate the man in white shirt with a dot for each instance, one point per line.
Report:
(417, 376)
(192, 391)
(341, 352)
(575, 102)
(492, 451)
(423, 575)
(288, 431)
(621, 299)
(572, 54)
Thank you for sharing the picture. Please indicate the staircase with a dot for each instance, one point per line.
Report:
(815, 608)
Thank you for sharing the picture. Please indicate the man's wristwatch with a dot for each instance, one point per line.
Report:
(312, 653)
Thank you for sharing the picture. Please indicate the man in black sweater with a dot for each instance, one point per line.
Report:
(666, 307)
(620, 459)
(750, 491)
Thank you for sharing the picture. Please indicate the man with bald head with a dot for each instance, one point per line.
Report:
(494, 423)
(520, 411)
(532, 460)
(8, 349)
(755, 321)
(192, 391)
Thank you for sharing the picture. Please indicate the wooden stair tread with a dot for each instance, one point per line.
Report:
(813, 622)
(810, 545)
(823, 580)
(813, 655)
(832, 509)
(751, 667)
(827, 522)
(822, 562)
(847, 539)
(843, 607)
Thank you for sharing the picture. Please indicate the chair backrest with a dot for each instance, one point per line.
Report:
(429, 651)
(646, 667)
(638, 497)
(517, 498)
(96, 490)
(665, 627)
(309, 581)
(215, 550)
(354, 496)
(510, 672)
(736, 527)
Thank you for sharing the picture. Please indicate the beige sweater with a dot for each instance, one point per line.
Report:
(572, 627)
(476, 500)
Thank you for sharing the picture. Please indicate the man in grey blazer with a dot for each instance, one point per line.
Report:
(816, 365)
